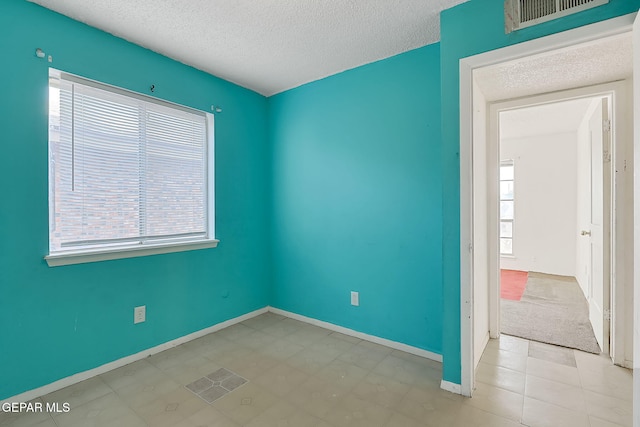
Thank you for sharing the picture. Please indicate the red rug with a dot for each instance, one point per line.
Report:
(512, 284)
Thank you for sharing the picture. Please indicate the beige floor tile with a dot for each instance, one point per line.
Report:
(381, 390)
(235, 332)
(207, 343)
(170, 358)
(342, 374)
(191, 370)
(47, 422)
(498, 376)
(598, 374)
(306, 376)
(352, 411)
(559, 394)
(608, 408)
(224, 356)
(171, 407)
(505, 359)
(211, 417)
(363, 356)
(282, 329)
(246, 403)
(541, 414)
(421, 361)
(434, 407)
(26, 419)
(299, 419)
(280, 349)
(102, 411)
(277, 414)
(80, 393)
(130, 374)
(142, 393)
(311, 361)
(348, 338)
(470, 416)
(331, 345)
(252, 365)
(316, 397)
(597, 422)
(552, 353)
(281, 379)
(255, 340)
(497, 401)
(509, 343)
(399, 420)
(263, 321)
(553, 371)
(400, 369)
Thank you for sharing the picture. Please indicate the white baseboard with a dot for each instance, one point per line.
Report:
(81, 376)
(382, 341)
(451, 387)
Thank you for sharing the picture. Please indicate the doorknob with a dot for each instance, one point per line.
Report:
(585, 233)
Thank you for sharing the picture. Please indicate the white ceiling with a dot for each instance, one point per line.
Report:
(266, 45)
(606, 60)
(544, 119)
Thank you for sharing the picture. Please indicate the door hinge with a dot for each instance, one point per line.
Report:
(606, 157)
(607, 315)
(470, 247)
(606, 125)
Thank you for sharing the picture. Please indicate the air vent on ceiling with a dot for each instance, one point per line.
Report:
(520, 14)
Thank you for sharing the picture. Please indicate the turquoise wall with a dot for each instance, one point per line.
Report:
(59, 321)
(469, 29)
(357, 199)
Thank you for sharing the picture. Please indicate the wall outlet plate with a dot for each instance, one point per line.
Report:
(139, 314)
(355, 298)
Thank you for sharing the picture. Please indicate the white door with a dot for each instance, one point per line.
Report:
(599, 130)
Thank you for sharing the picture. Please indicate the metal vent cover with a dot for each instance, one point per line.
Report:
(525, 13)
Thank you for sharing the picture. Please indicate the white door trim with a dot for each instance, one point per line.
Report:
(615, 205)
(541, 45)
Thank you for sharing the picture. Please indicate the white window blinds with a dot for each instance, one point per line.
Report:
(125, 169)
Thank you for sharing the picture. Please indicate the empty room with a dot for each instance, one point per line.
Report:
(286, 213)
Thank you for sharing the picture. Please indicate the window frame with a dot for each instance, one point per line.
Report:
(137, 248)
(509, 162)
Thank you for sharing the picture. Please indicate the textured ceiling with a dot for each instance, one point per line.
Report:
(545, 119)
(266, 45)
(606, 60)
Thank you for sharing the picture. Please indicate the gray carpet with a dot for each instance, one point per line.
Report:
(553, 310)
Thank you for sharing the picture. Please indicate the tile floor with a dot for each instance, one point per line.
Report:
(300, 375)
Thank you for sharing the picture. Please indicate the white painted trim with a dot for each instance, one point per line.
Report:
(372, 338)
(451, 387)
(541, 45)
(467, 368)
(82, 257)
(617, 228)
(81, 376)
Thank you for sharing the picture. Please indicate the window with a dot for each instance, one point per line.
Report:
(129, 175)
(506, 207)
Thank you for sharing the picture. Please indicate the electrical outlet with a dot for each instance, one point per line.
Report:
(355, 298)
(139, 314)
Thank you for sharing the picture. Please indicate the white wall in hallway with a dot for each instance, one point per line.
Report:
(544, 238)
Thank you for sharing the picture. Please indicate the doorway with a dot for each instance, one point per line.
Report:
(479, 265)
(554, 220)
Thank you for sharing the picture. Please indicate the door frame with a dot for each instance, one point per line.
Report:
(613, 203)
(588, 33)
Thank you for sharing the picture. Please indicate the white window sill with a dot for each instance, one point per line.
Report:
(507, 256)
(80, 257)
